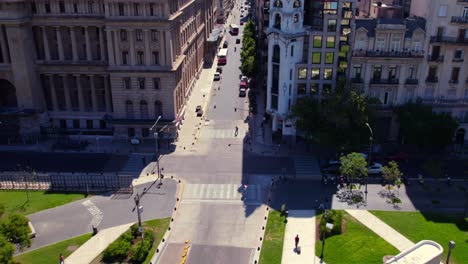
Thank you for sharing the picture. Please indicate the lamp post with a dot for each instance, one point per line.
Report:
(451, 246)
(137, 204)
(153, 128)
(371, 139)
(327, 226)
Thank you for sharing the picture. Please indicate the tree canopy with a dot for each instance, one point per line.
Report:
(16, 230)
(354, 165)
(249, 50)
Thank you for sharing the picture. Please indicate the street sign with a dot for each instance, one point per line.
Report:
(141, 209)
(140, 229)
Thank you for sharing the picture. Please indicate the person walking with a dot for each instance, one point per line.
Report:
(296, 242)
(62, 259)
(236, 132)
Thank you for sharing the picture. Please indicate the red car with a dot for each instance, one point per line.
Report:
(399, 156)
(241, 23)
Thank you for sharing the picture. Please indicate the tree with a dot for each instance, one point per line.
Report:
(249, 51)
(354, 165)
(426, 129)
(392, 173)
(6, 250)
(16, 230)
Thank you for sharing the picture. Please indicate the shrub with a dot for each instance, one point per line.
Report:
(117, 251)
(16, 230)
(6, 250)
(134, 230)
(335, 218)
(2, 210)
(140, 251)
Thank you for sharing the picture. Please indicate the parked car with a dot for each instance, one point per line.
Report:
(375, 168)
(242, 23)
(217, 76)
(134, 141)
(219, 69)
(399, 156)
(331, 169)
(243, 85)
(242, 92)
(244, 78)
(238, 40)
(225, 44)
(199, 107)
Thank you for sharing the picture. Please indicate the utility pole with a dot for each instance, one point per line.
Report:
(137, 204)
(371, 139)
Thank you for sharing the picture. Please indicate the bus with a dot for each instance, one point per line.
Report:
(234, 29)
(222, 56)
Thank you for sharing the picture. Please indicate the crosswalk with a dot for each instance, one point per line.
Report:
(222, 133)
(223, 192)
(307, 168)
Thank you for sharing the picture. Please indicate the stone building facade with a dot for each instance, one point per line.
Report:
(99, 67)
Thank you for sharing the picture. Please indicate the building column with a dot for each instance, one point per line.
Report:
(46, 44)
(89, 56)
(148, 55)
(93, 93)
(4, 46)
(110, 47)
(73, 43)
(101, 44)
(108, 95)
(66, 88)
(59, 43)
(132, 47)
(169, 50)
(80, 93)
(53, 93)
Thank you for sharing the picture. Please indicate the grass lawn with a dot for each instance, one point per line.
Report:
(15, 201)
(52, 252)
(272, 247)
(357, 244)
(441, 228)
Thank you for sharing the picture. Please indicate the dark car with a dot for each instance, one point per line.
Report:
(199, 110)
(225, 44)
(219, 69)
(331, 168)
(237, 41)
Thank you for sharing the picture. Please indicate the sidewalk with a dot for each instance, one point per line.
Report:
(302, 223)
(382, 229)
(94, 246)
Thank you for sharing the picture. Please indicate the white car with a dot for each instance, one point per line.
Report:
(244, 78)
(375, 168)
(217, 76)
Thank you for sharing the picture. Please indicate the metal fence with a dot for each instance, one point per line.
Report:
(66, 182)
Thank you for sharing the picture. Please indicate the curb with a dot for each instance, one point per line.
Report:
(163, 244)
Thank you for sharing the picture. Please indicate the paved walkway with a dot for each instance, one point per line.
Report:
(382, 229)
(302, 223)
(93, 247)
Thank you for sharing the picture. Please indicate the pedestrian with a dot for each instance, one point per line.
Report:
(62, 259)
(236, 132)
(296, 242)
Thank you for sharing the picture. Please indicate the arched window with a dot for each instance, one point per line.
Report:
(276, 54)
(296, 18)
(129, 109)
(278, 3)
(158, 109)
(297, 3)
(277, 24)
(143, 109)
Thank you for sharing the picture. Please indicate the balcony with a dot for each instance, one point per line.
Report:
(387, 54)
(411, 81)
(459, 20)
(453, 81)
(384, 81)
(444, 102)
(435, 58)
(432, 79)
(449, 40)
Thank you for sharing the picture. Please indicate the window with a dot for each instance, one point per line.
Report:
(357, 72)
(432, 74)
(386, 96)
(277, 24)
(292, 50)
(126, 82)
(76, 123)
(455, 75)
(296, 18)
(278, 3)
(47, 7)
(317, 43)
(377, 74)
(330, 7)
(380, 44)
(458, 54)
(75, 7)
(301, 88)
(140, 56)
(315, 73)
(314, 87)
(141, 83)
(124, 57)
(143, 109)
(442, 11)
(327, 74)
(326, 89)
(129, 109)
(331, 25)
(63, 123)
(465, 12)
(302, 73)
(121, 9)
(156, 83)
(139, 35)
(348, 15)
(158, 109)
(136, 9)
(316, 57)
(89, 124)
(297, 3)
(155, 58)
(416, 46)
(90, 6)
(145, 132)
(102, 124)
(33, 8)
(62, 6)
(392, 73)
(151, 9)
(395, 45)
(123, 35)
(290, 75)
(154, 35)
(330, 42)
(329, 57)
(276, 54)
(131, 132)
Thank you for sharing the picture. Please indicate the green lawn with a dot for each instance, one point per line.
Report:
(16, 201)
(272, 247)
(357, 244)
(441, 228)
(159, 227)
(51, 253)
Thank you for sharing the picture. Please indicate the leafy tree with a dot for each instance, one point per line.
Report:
(392, 173)
(421, 126)
(249, 51)
(16, 230)
(6, 250)
(354, 165)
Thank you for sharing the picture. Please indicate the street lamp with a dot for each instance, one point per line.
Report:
(451, 246)
(137, 204)
(327, 226)
(371, 139)
(153, 128)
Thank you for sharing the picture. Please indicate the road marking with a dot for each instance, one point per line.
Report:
(95, 212)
